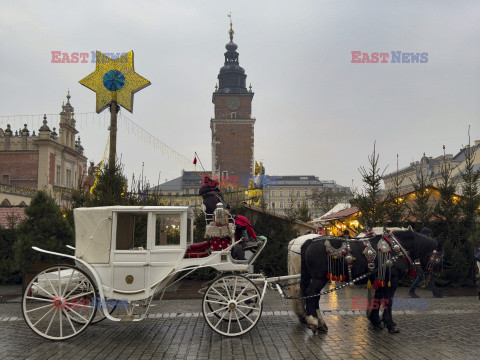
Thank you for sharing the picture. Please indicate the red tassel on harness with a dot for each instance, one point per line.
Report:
(328, 276)
(375, 284)
(412, 273)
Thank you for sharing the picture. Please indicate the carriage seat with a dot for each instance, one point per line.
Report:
(219, 244)
(205, 248)
(198, 250)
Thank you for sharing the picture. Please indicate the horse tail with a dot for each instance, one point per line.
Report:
(305, 277)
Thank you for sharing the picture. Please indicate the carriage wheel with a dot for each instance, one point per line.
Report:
(59, 302)
(215, 307)
(232, 305)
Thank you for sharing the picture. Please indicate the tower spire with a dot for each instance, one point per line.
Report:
(230, 32)
(231, 78)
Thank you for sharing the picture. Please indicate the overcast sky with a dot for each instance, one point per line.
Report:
(317, 112)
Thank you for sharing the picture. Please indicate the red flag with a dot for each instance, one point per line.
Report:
(195, 161)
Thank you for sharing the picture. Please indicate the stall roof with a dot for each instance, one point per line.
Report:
(341, 214)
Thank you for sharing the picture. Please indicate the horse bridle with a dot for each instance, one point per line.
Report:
(397, 247)
(433, 259)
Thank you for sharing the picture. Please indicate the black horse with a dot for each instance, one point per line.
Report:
(314, 271)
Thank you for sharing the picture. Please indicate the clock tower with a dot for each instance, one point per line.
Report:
(232, 127)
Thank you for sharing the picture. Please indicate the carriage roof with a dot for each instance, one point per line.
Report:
(93, 228)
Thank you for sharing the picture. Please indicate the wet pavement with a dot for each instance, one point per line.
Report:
(431, 328)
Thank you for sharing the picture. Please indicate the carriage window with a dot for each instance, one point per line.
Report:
(131, 231)
(167, 230)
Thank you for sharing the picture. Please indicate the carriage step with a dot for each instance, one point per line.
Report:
(128, 318)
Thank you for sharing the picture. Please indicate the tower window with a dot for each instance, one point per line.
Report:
(58, 175)
(234, 115)
(69, 178)
(6, 179)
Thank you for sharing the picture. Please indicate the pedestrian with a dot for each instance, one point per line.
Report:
(477, 257)
(421, 275)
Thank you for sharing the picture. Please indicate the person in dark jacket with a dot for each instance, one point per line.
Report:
(477, 257)
(211, 194)
(245, 237)
(420, 276)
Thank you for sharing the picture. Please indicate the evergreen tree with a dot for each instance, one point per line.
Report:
(291, 211)
(369, 202)
(110, 188)
(447, 209)
(44, 227)
(8, 236)
(272, 260)
(394, 204)
(420, 208)
(459, 263)
(303, 212)
(470, 198)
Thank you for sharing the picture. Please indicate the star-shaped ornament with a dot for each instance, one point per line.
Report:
(114, 80)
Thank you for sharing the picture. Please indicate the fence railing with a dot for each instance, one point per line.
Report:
(17, 190)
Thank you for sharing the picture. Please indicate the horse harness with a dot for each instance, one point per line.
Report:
(389, 250)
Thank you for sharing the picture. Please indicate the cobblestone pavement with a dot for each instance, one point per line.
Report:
(448, 329)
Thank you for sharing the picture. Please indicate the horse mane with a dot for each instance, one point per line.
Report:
(422, 244)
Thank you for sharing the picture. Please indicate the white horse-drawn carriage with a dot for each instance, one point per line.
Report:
(124, 256)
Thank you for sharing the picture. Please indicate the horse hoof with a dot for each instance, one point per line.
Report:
(302, 320)
(393, 330)
(323, 328)
(378, 327)
(313, 328)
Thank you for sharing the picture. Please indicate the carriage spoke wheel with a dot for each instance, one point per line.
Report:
(232, 305)
(59, 302)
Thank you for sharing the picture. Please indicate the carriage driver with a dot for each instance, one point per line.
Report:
(211, 196)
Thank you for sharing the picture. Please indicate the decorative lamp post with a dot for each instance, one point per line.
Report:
(114, 81)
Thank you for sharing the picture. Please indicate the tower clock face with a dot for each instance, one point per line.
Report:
(233, 103)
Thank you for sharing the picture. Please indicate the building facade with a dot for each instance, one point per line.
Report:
(282, 193)
(182, 190)
(233, 126)
(44, 161)
(431, 170)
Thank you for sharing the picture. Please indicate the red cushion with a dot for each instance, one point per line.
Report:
(199, 246)
(217, 244)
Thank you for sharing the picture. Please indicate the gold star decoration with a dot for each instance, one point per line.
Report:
(114, 80)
